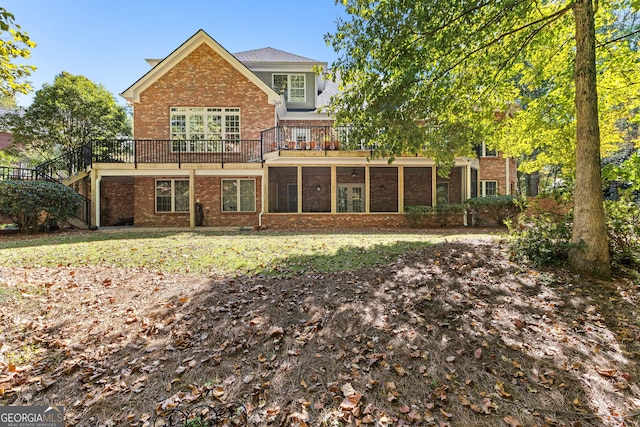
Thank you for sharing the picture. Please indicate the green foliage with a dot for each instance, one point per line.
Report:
(66, 114)
(494, 209)
(544, 236)
(437, 77)
(543, 239)
(627, 173)
(35, 204)
(623, 226)
(424, 216)
(14, 44)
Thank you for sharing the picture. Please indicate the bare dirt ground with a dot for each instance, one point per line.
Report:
(452, 335)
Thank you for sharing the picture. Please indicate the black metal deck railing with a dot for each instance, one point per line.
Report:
(309, 138)
(21, 174)
(177, 151)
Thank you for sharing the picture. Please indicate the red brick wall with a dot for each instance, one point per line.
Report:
(343, 221)
(202, 79)
(314, 199)
(207, 191)
(6, 139)
(116, 203)
(383, 189)
(417, 186)
(495, 169)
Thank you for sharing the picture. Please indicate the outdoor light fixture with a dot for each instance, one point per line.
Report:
(382, 187)
(319, 188)
(354, 173)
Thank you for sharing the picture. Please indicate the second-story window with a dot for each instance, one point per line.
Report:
(484, 151)
(204, 129)
(291, 85)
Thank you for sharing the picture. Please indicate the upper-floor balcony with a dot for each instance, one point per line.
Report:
(290, 138)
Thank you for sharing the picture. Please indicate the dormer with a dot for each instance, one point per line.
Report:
(290, 75)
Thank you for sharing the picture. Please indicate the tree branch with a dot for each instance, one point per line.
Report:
(617, 39)
(545, 20)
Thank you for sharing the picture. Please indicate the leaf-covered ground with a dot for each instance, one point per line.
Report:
(451, 335)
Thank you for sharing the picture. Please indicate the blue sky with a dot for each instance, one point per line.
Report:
(108, 41)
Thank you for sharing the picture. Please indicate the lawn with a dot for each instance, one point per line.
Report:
(311, 329)
(210, 253)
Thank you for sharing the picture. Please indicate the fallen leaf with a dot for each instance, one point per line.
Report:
(399, 370)
(499, 387)
(512, 421)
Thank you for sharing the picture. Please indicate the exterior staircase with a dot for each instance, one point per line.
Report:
(67, 169)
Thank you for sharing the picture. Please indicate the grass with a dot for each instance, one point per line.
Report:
(214, 252)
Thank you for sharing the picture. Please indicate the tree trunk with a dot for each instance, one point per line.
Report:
(533, 183)
(589, 226)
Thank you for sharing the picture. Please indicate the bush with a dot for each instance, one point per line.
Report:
(417, 215)
(623, 228)
(493, 209)
(34, 204)
(542, 239)
(444, 215)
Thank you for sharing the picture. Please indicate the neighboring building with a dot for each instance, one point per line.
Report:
(6, 138)
(225, 139)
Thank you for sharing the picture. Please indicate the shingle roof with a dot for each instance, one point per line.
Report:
(269, 54)
(331, 89)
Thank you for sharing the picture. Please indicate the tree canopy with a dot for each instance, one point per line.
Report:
(67, 114)
(438, 77)
(14, 44)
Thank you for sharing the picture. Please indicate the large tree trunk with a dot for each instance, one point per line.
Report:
(589, 224)
(533, 183)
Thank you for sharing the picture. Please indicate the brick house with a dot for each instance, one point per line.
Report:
(225, 139)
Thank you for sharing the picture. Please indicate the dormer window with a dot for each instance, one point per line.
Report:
(292, 86)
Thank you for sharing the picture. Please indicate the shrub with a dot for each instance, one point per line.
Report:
(623, 228)
(542, 239)
(417, 215)
(31, 204)
(444, 215)
(493, 209)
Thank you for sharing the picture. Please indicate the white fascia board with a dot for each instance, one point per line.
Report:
(306, 115)
(132, 94)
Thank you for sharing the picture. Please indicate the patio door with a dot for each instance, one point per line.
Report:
(350, 197)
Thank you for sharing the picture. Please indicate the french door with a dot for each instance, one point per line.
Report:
(351, 198)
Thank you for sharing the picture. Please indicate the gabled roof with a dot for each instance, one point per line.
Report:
(132, 94)
(269, 54)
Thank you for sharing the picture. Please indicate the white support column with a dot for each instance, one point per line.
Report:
(96, 179)
(192, 198)
(367, 192)
(400, 189)
(468, 181)
(334, 189)
(299, 189)
(434, 177)
(507, 182)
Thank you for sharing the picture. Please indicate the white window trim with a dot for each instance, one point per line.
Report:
(210, 142)
(173, 196)
(483, 187)
(288, 94)
(485, 150)
(238, 195)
